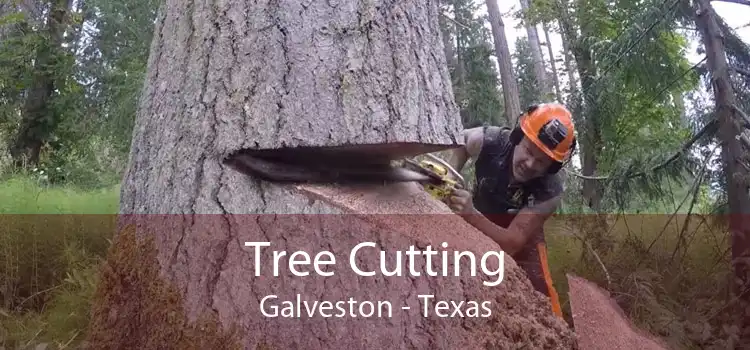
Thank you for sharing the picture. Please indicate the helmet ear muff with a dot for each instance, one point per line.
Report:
(516, 135)
(556, 166)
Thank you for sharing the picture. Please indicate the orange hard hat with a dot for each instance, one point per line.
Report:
(550, 127)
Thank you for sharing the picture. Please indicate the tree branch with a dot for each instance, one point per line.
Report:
(741, 2)
(454, 21)
(745, 118)
(741, 71)
(708, 127)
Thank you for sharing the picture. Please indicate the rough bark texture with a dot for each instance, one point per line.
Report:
(732, 151)
(214, 271)
(601, 323)
(227, 76)
(507, 79)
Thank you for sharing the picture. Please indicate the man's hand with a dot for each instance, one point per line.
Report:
(460, 202)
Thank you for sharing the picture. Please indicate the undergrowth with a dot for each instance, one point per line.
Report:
(669, 277)
(671, 282)
(52, 240)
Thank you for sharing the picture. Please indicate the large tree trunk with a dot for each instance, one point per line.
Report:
(732, 155)
(590, 140)
(228, 76)
(507, 79)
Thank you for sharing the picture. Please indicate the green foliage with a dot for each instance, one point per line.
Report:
(480, 92)
(477, 90)
(667, 272)
(528, 88)
(48, 263)
(117, 61)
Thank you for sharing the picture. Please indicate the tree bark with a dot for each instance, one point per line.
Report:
(460, 62)
(227, 76)
(732, 154)
(448, 45)
(536, 56)
(590, 140)
(555, 80)
(288, 75)
(508, 80)
(38, 117)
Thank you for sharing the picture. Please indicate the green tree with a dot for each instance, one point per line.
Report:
(475, 78)
(528, 88)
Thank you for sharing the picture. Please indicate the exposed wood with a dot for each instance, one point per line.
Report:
(231, 75)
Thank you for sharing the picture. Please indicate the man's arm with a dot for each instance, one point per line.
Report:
(530, 220)
(525, 225)
(473, 139)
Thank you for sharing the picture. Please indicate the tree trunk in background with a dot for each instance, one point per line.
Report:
(589, 134)
(553, 64)
(510, 85)
(234, 75)
(732, 155)
(679, 102)
(460, 68)
(447, 41)
(569, 68)
(37, 119)
(536, 55)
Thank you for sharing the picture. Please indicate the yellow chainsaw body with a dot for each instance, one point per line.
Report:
(447, 185)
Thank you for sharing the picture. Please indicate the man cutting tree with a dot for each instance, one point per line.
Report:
(517, 185)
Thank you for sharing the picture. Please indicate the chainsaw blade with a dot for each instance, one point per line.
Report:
(325, 171)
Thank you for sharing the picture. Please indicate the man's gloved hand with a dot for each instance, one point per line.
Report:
(460, 202)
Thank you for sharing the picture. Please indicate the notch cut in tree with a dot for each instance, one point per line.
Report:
(230, 76)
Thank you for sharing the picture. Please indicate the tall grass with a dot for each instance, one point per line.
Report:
(669, 274)
(51, 242)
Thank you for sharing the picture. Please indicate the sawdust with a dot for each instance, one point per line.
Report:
(135, 308)
(600, 323)
(522, 318)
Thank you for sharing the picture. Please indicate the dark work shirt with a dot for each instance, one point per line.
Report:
(498, 199)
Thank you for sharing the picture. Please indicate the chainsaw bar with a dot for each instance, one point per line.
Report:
(324, 170)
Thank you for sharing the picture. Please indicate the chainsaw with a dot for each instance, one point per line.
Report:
(333, 165)
(444, 178)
